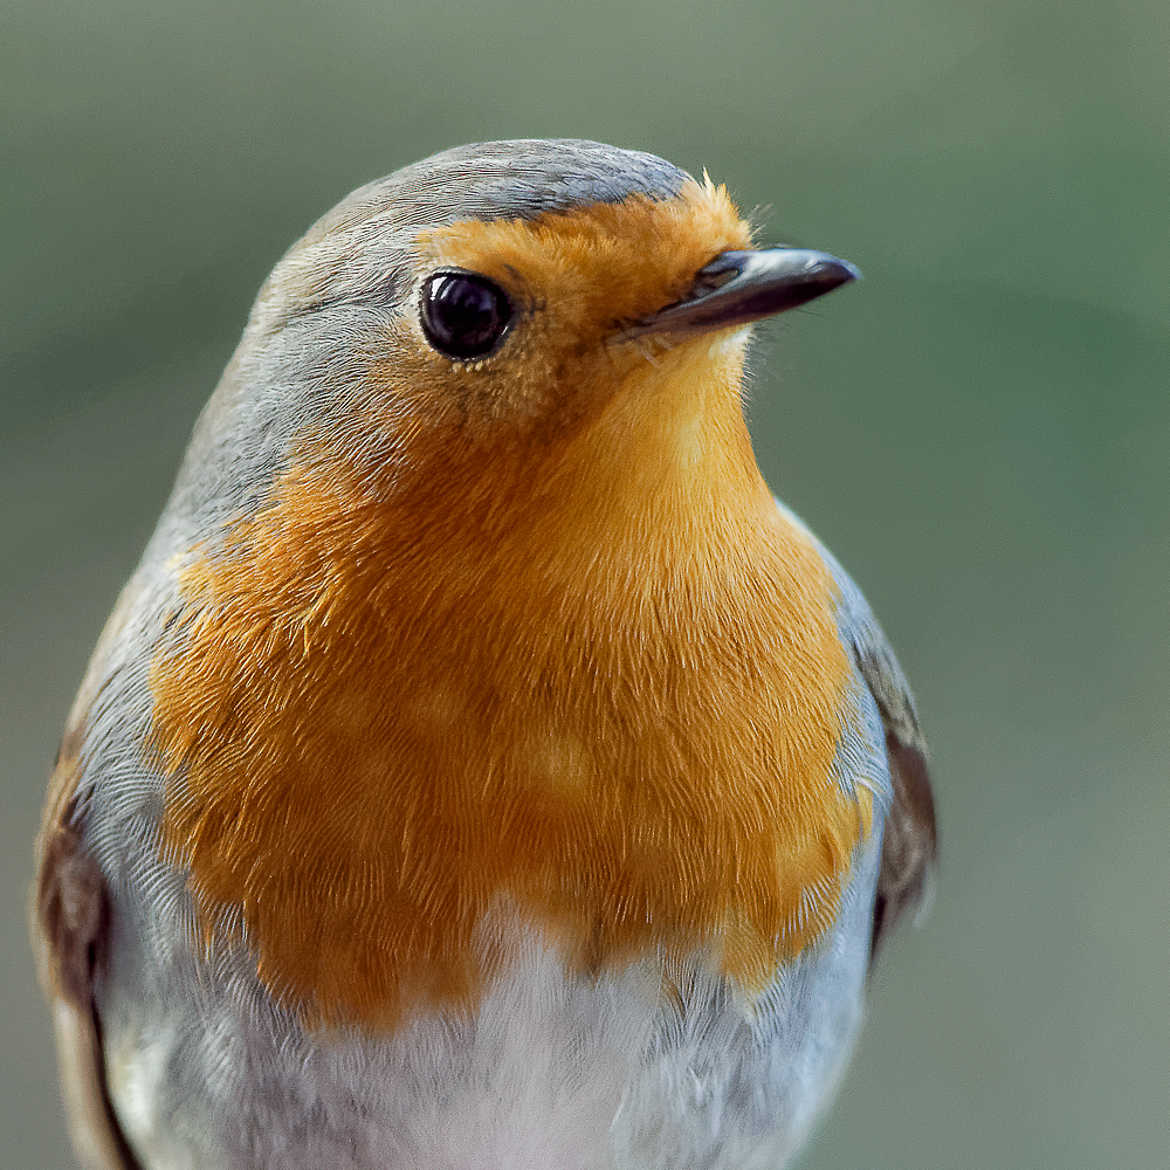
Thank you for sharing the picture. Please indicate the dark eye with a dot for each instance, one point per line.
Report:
(464, 315)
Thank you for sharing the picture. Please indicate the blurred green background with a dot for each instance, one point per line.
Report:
(980, 431)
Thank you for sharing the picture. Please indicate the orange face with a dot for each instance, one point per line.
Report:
(574, 278)
(584, 671)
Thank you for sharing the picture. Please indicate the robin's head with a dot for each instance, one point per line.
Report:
(503, 295)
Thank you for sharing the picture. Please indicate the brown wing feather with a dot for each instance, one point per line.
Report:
(910, 841)
(70, 931)
(910, 838)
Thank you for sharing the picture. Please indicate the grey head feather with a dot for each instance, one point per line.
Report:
(518, 178)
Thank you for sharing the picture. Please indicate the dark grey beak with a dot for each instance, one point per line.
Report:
(738, 287)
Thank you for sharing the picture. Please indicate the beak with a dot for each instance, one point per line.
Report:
(738, 287)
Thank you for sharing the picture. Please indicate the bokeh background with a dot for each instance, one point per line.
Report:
(980, 430)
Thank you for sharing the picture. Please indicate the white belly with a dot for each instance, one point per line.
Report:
(553, 1072)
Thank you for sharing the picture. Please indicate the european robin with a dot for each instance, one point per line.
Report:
(481, 770)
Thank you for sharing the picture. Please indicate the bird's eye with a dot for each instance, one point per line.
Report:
(464, 315)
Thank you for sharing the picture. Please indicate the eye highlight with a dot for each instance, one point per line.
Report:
(463, 315)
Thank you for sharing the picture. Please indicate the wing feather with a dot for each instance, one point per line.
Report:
(70, 932)
(910, 837)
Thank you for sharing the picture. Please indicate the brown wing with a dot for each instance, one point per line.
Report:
(70, 921)
(910, 841)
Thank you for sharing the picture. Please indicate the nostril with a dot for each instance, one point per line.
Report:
(725, 267)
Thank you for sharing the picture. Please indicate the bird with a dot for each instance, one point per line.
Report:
(482, 769)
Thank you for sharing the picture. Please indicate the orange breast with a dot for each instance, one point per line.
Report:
(380, 718)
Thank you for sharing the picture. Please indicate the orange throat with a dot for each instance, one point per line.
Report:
(601, 683)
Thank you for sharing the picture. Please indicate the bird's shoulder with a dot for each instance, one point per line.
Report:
(910, 835)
